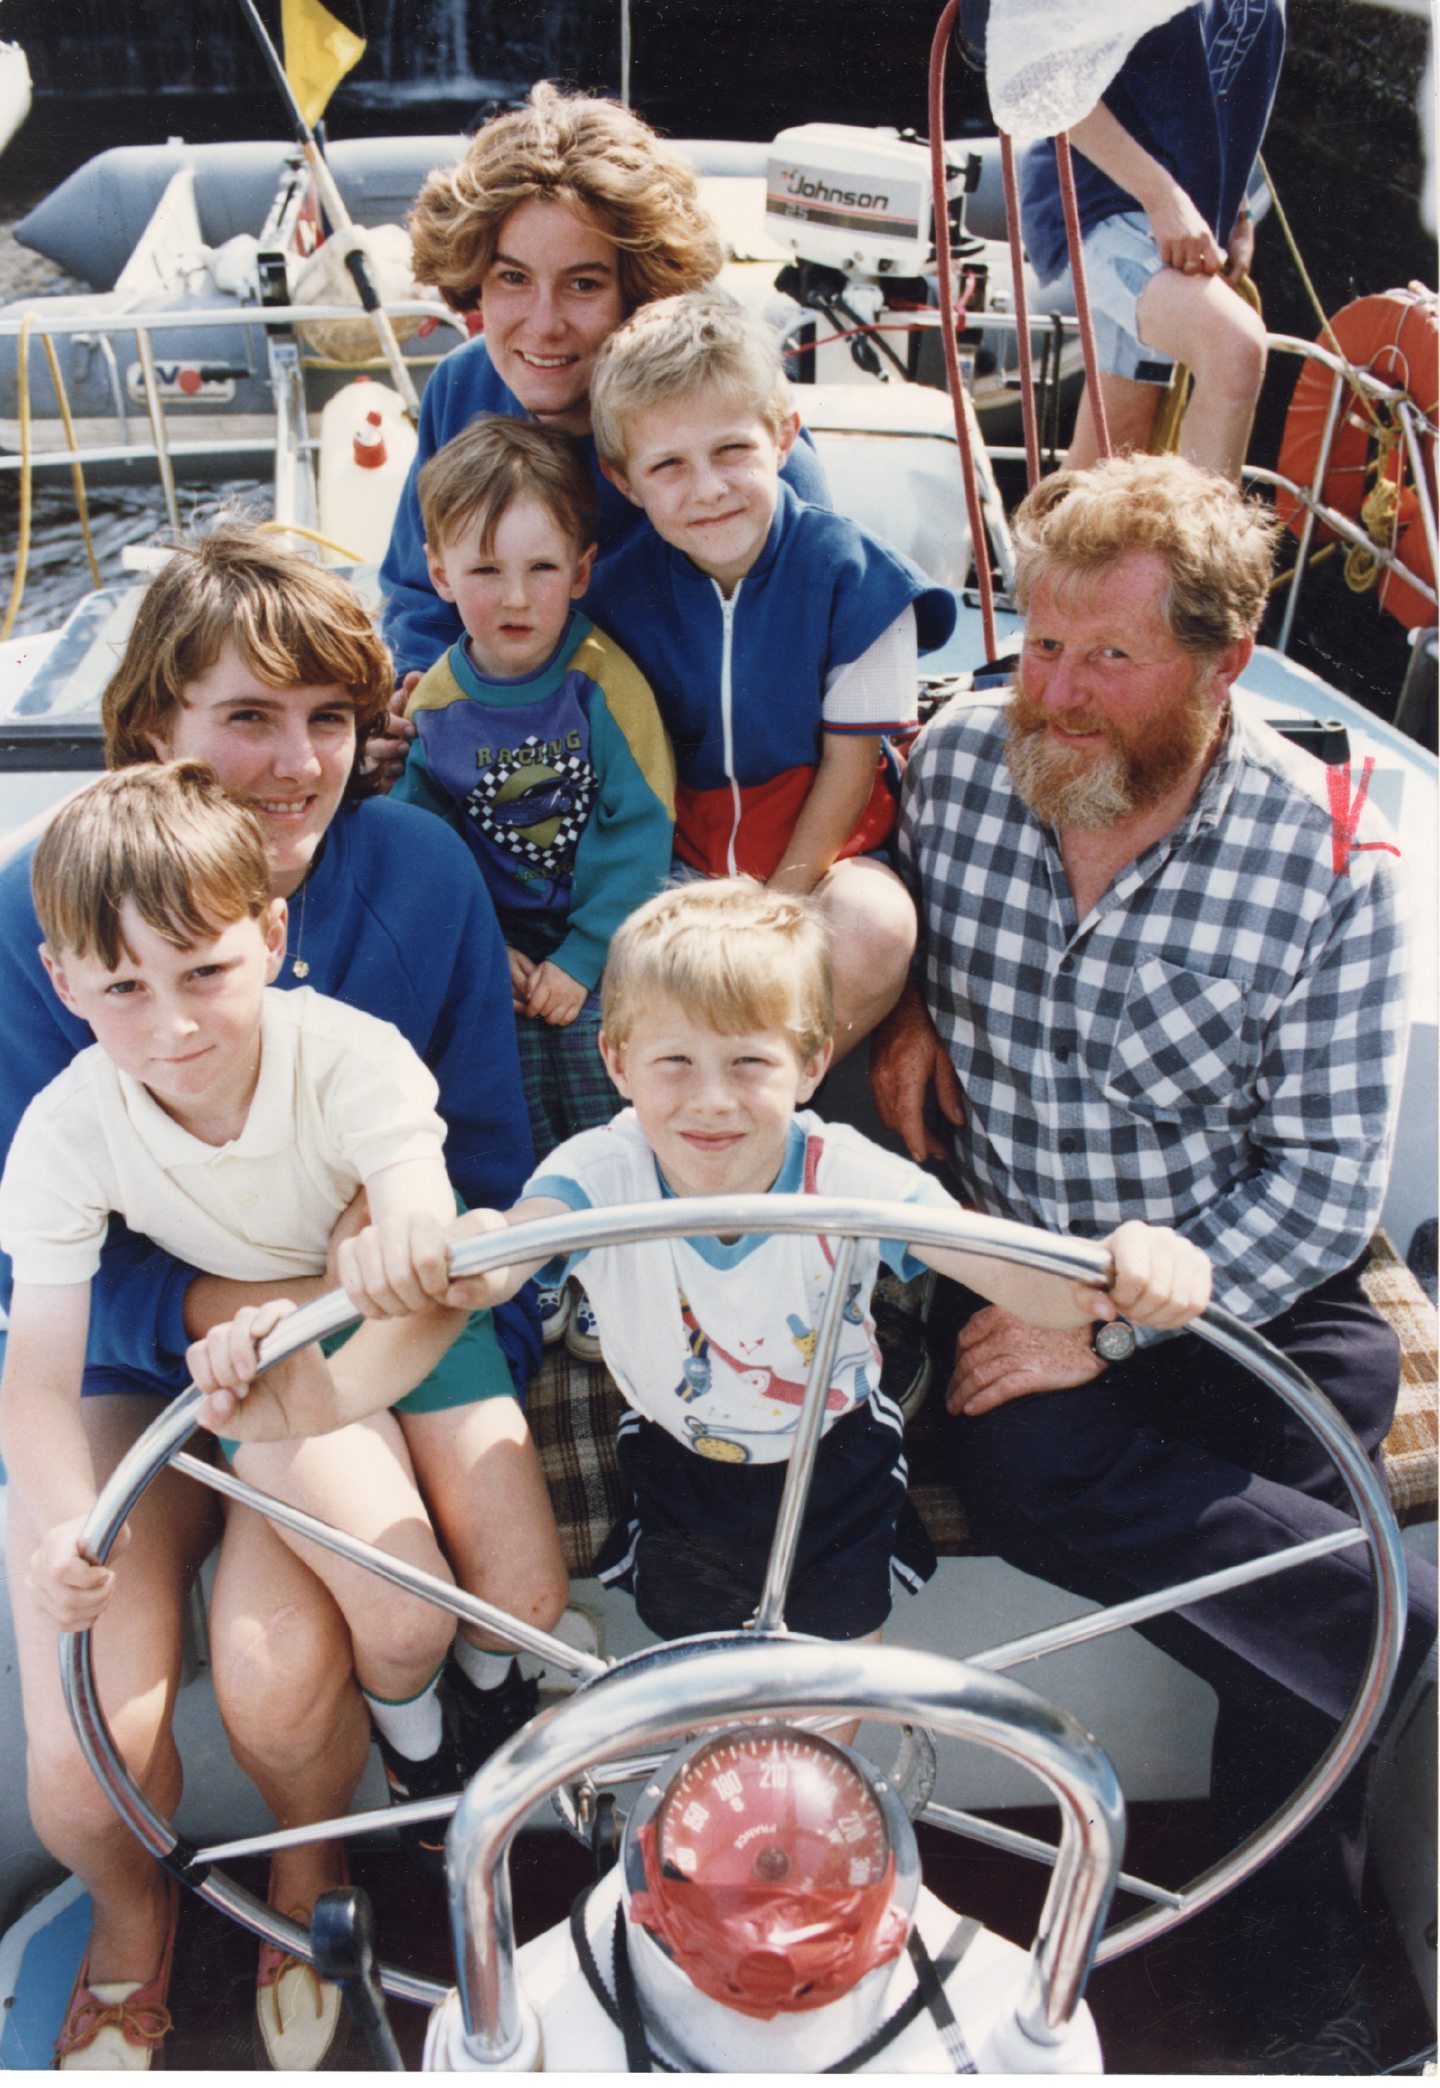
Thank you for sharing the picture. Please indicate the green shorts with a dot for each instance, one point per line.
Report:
(472, 1368)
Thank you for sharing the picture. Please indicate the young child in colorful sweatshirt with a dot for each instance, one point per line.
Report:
(538, 738)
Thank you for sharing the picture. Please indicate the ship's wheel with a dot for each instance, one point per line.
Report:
(794, 1677)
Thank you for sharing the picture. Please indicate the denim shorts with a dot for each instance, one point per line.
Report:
(1120, 258)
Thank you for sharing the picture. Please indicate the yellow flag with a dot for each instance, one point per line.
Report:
(321, 42)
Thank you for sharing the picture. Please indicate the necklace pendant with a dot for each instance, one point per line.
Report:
(300, 968)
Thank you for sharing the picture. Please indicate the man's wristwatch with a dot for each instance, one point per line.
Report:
(1113, 1340)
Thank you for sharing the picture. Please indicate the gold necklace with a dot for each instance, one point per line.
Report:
(298, 964)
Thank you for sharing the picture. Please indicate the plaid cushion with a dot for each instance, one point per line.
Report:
(574, 1410)
(946, 1523)
(1410, 1447)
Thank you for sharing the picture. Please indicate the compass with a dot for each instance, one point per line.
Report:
(773, 1867)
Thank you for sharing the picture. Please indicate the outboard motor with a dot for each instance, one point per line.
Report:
(855, 207)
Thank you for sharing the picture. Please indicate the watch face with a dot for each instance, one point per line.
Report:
(1114, 1340)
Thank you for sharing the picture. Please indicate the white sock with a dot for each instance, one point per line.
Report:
(413, 1726)
(486, 1670)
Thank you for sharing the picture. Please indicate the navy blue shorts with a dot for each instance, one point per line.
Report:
(695, 1552)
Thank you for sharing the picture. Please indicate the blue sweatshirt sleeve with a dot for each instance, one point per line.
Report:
(416, 625)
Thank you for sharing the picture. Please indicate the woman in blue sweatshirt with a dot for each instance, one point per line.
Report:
(266, 666)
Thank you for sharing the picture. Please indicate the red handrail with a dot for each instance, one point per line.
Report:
(979, 542)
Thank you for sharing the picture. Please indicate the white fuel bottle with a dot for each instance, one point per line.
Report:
(366, 448)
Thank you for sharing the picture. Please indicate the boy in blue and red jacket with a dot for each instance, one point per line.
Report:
(781, 640)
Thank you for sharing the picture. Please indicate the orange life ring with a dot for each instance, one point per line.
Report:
(1395, 335)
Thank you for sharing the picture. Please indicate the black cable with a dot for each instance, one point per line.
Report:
(638, 2056)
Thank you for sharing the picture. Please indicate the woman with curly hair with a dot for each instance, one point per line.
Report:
(562, 217)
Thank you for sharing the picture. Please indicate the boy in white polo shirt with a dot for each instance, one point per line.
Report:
(236, 1127)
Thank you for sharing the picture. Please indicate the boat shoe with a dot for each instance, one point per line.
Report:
(300, 2022)
(120, 2025)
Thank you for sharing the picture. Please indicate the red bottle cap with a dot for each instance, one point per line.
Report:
(370, 443)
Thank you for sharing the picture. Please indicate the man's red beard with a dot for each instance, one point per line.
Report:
(1099, 786)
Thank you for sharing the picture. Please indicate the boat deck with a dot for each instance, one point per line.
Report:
(1159, 2010)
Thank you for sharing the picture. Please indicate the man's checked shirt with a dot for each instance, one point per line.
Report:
(1217, 1046)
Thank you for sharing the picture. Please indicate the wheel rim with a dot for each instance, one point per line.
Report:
(846, 1219)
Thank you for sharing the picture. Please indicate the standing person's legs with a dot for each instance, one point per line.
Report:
(1199, 320)
(1130, 410)
(1120, 261)
(1146, 317)
(136, 1648)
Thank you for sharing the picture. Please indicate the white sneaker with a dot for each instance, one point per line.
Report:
(582, 1336)
(553, 1300)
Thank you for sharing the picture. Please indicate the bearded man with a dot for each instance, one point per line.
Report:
(1161, 976)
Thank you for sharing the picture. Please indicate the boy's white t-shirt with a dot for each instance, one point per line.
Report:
(714, 1341)
(340, 1095)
